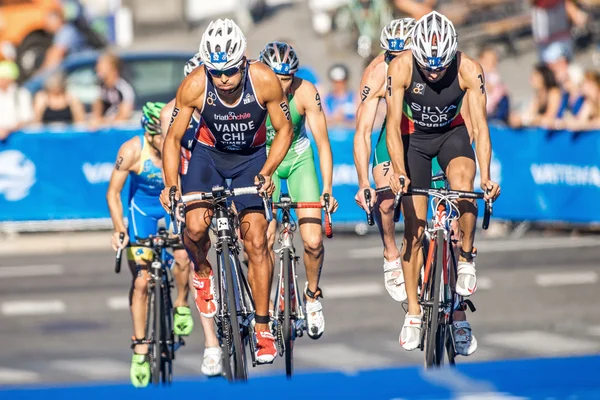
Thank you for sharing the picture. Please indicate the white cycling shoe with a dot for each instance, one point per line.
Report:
(410, 336)
(464, 340)
(212, 363)
(314, 317)
(466, 281)
(394, 284)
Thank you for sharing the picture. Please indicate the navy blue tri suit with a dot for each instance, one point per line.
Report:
(230, 143)
(188, 142)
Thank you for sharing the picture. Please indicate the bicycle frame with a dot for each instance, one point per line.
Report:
(286, 239)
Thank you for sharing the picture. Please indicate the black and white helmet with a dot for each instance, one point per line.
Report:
(192, 64)
(223, 45)
(397, 35)
(434, 41)
(280, 57)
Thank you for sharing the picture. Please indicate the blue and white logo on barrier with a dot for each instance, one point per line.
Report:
(98, 172)
(17, 175)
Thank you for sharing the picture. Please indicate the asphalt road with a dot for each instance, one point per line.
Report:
(64, 318)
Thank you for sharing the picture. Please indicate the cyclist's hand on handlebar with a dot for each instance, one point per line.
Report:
(267, 187)
(333, 203)
(360, 198)
(395, 182)
(116, 242)
(491, 190)
(165, 198)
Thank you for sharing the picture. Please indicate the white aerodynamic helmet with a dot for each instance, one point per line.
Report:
(434, 41)
(192, 64)
(280, 57)
(397, 35)
(223, 45)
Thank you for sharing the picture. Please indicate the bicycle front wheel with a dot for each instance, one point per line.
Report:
(236, 350)
(435, 279)
(157, 335)
(288, 324)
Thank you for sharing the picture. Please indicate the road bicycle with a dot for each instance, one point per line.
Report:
(289, 318)
(437, 293)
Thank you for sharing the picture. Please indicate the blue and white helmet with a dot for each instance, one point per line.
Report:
(397, 35)
(434, 41)
(192, 64)
(280, 57)
(223, 45)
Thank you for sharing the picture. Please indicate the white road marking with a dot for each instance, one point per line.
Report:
(20, 271)
(101, 368)
(118, 303)
(462, 386)
(541, 343)
(33, 307)
(566, 278)
(340, 357)
(484, 283)
(10, 376)
(343, 291)
(500, 246)
(594, 330)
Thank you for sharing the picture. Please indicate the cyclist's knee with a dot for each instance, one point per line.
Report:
(313, 246)
(182, 261)
(386, 206)
(140, 284)
(255, 244)
(461, 177)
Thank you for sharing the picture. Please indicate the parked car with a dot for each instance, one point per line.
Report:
(22, 25)
(154, 76)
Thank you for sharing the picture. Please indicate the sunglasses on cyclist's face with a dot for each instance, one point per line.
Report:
(217, 73)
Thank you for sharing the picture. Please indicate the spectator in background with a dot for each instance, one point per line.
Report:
(340, 102)
(67, 39)
(15, 102)
(589, 115)
(550, 24)
(117, 98)
(456, 11)
(543, 110)
(54, 104)
(498, 103)
(573, 97)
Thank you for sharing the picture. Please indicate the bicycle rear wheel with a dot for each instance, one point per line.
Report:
(168, 336)
(236, 358)
(288, 324)
(432, 323)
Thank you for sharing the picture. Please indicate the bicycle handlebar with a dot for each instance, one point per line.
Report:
(288, 205)
(461, 194)
(370, 220)
(119, 253)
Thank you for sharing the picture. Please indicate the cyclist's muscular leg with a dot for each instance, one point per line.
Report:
(197, 244)
(260, 268)
(271, 237)
(195, 236)
(384, 212)
(181, 273)
(461, 175)
(138, 300)
(414, 209)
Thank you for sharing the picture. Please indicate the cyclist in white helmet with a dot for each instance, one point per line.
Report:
(211, 365)
(395, 38)
(233, 96)
(299, 171)
(425, 92)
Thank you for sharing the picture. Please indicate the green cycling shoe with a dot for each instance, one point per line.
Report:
(140, 370)
(182, 321)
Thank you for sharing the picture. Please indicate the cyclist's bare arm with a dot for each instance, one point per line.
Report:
(189, 96)
(127, 160)
(269, 92)
(310, 105)
(372, 89)
(473, 81)
(398, 79)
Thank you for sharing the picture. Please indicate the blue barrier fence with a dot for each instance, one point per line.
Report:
(545, 176)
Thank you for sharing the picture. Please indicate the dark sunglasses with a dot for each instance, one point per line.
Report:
(216, 73)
